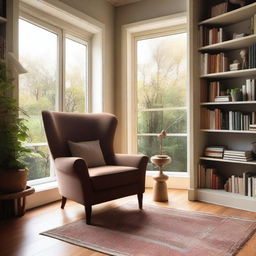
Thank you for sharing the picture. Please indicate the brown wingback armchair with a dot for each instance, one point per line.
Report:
(123, 174)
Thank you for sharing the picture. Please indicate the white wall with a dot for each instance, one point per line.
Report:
(102, 11)
(143, 10)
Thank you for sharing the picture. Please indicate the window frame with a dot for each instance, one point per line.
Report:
(133, 35)
(62, 33)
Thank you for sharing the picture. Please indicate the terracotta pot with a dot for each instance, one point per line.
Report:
(12, 181)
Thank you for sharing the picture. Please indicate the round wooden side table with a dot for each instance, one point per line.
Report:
(14, 204)
(160, 193)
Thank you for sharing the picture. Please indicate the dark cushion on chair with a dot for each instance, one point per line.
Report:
(110, 176)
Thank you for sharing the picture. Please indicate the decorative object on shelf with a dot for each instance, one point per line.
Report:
(14, 204)
(236, 35)
(235, 65)
(235, 94)
(244, 57)
(13, 131)
(160, 193)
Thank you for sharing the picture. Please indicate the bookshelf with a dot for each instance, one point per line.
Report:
(233, 139)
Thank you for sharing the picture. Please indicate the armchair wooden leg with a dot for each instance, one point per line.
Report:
(63, 202)
(88, 211)
(140, 200)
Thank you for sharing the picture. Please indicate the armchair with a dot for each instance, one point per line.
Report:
(123, 175)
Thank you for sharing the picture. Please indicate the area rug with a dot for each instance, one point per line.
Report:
(158, 231)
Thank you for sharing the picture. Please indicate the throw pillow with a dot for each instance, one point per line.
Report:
(90, 151)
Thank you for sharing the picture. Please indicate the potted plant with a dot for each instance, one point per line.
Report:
(235, 94)
(13, 175)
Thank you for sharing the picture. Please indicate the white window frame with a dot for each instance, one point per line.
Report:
(74, 34)
(130, 34)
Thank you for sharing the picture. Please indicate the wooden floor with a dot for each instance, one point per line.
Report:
(20, 237)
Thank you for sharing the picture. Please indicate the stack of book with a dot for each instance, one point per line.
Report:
(210, 36)
(252, 56)
(213, 63)
(252, 127)
(216, 119)
(224, 98)
(214, 151)
(209, 178)
(245, 185)
(248, 90)
(235, 155)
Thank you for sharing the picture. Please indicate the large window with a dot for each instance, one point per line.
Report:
(56, 80)
(161, 97)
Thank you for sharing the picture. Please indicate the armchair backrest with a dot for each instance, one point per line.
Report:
(61, 127)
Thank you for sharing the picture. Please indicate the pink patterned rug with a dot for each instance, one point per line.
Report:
(158, 231)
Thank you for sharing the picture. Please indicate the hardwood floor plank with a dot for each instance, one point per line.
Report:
(20, 236)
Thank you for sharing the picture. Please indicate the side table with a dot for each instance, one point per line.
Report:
(13, 204)
(160, 193)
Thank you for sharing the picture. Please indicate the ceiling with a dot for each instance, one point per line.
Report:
(122, 2)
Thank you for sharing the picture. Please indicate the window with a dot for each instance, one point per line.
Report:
(47, 53)
(161, 97)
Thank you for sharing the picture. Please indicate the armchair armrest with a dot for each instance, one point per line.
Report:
(138, 161)
(69, 165)
(73, 179)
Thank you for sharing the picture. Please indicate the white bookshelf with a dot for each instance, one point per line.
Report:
(227, 161)
(222, 197)
(228, 103)
(232, 74)
(231, 17)
(233, 139)
(230, 44)
(228, 131)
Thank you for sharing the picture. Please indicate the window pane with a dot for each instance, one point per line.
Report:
(37, 89)
(162, 71)
(174, 146)
(161, 85)
(75, 87)
(155, 121)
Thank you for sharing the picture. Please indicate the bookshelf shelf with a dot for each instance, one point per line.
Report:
(222, 197)
(235, 16)
(227, 103)
(232, 74)
(226, 161)
(229, 131)
(231, 44)
(3, 20)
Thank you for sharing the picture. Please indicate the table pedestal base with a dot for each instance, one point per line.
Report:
(160, 192)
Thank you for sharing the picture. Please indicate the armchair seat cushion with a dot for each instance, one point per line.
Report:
(110, 176)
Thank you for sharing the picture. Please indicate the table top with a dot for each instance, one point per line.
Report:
(16, 195)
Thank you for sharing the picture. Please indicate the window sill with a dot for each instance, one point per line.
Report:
(45, 186)
(170, 174)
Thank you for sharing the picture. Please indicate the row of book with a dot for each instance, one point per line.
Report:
(252, 56)
(221, 8)
(214, 92)
(245, 185)
(218, 119)
(209, 178)
(213, 63)
(248, 90)
(210, 36)
(235, 155)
